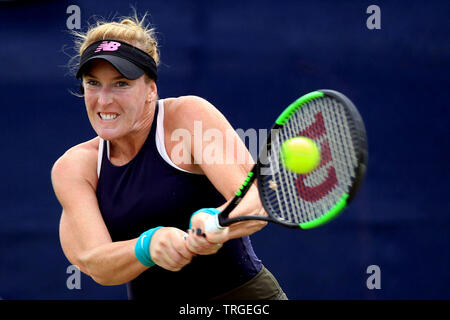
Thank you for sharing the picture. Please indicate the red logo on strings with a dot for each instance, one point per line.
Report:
(314, 193)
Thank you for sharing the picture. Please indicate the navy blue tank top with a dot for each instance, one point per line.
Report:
(149, 192)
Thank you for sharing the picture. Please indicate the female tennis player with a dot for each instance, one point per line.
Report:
(127, 198)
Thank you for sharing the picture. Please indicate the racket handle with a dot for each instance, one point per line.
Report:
(212, 224)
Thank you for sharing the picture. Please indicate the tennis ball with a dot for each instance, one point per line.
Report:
(300, 154)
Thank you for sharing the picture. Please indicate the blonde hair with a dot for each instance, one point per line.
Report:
(131, 30)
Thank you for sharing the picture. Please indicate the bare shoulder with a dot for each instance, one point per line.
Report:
(185, 103)
(183, 111)
(79, 161)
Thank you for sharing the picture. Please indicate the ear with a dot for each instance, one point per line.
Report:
(153, 92)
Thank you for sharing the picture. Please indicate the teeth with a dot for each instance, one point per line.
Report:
(108, 116)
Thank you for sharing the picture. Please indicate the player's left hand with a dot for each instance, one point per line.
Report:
(203, 243)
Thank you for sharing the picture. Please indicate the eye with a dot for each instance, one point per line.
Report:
(122, 84)
(92, 82)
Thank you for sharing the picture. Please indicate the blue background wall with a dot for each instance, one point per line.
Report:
(250, 59)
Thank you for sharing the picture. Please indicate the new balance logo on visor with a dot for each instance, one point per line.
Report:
(108, 46)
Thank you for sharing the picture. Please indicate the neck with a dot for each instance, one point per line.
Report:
(124, 149)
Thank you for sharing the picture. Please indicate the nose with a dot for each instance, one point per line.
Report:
(105, 97)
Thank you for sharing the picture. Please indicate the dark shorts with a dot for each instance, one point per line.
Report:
(263, 286)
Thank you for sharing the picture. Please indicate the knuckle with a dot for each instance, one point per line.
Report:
(156, 252)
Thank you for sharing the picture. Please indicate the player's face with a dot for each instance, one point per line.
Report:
(116, 106)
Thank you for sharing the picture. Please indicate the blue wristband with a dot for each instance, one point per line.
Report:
(211, 211)
(142, 248)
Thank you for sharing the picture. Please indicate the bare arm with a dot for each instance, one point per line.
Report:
(226, 167)
(84, 237)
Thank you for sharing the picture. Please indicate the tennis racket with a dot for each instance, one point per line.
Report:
(307, 200)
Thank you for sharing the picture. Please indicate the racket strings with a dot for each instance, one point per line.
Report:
(300, 198)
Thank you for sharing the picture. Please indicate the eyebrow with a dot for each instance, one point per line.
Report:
(115, 78)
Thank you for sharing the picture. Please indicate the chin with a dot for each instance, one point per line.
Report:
(108, 134)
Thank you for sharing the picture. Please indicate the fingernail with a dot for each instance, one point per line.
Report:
(199, 232)
(204, 235)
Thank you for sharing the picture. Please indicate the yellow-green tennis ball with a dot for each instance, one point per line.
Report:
(300, 154)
